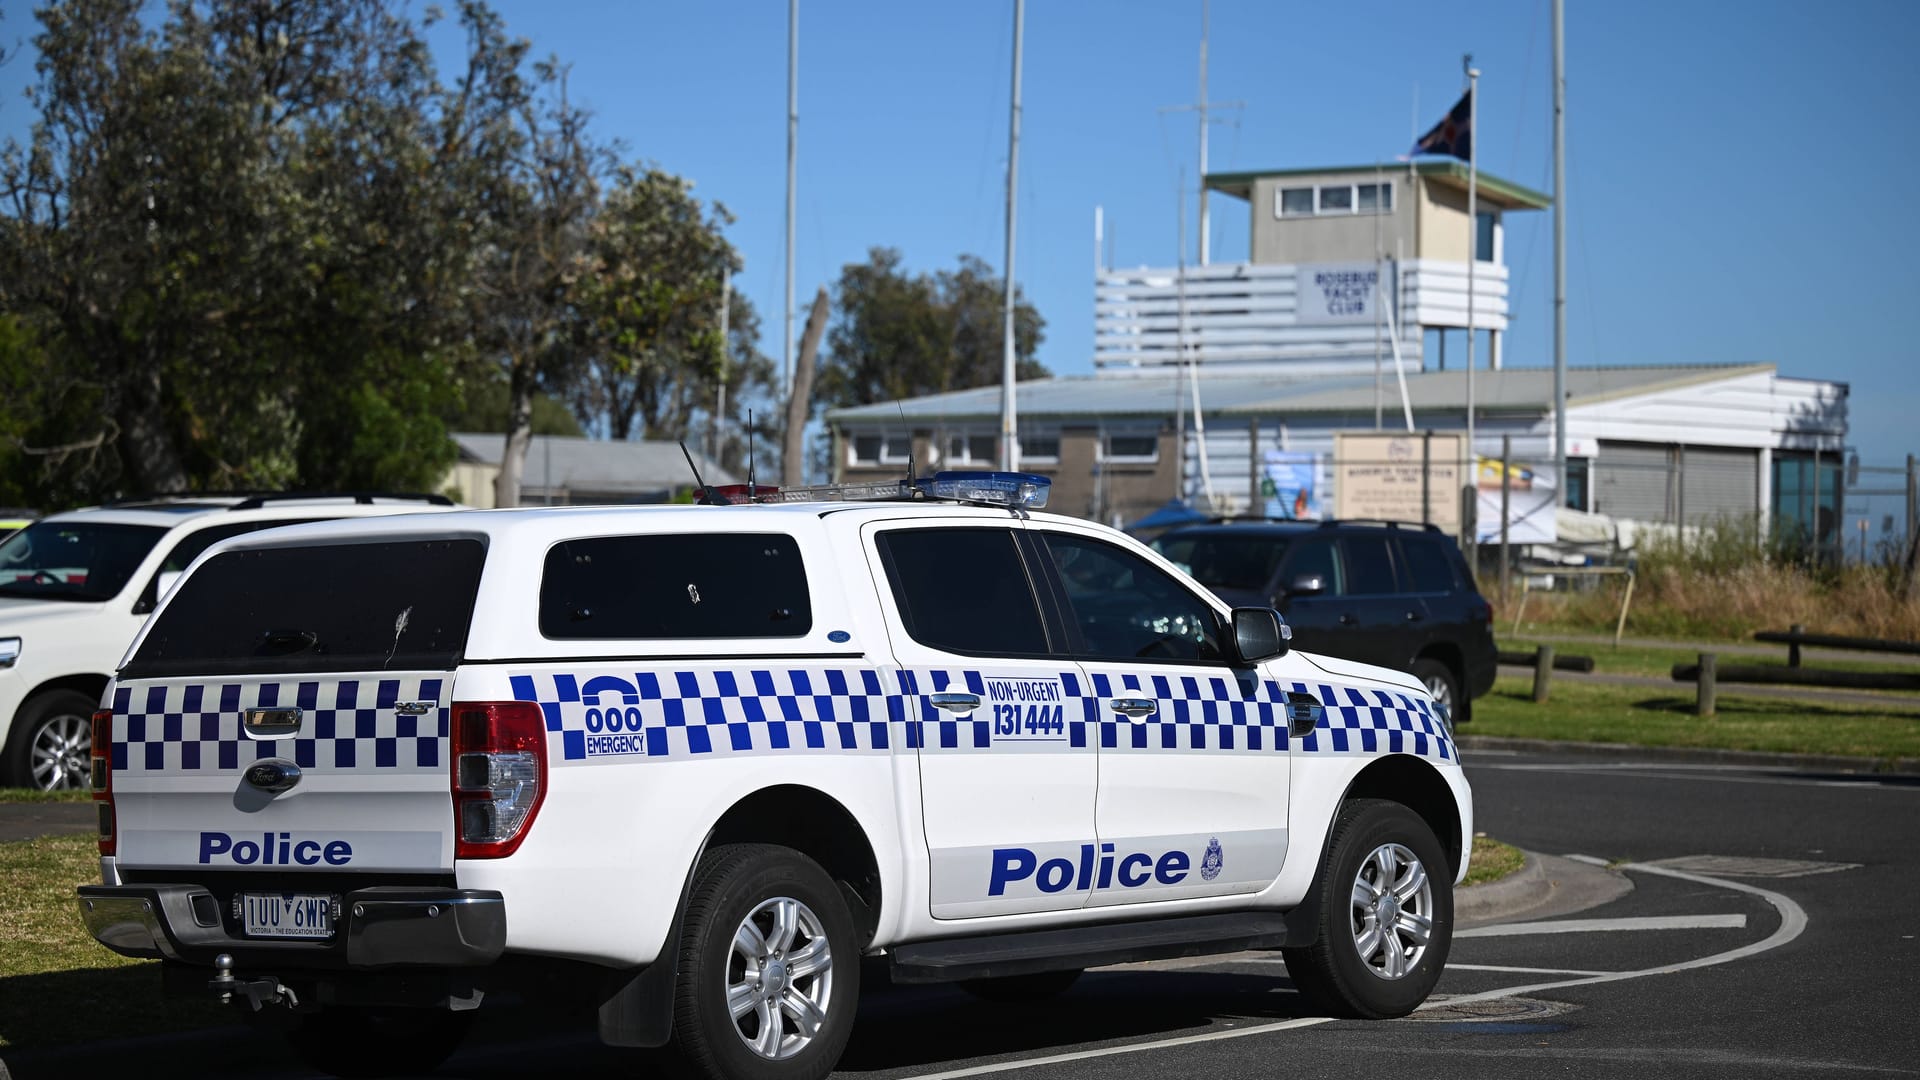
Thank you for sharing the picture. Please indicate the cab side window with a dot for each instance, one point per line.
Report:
(1427, 566)
(963, 591)
(1127, 609)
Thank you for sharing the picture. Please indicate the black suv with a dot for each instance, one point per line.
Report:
(1397, 595)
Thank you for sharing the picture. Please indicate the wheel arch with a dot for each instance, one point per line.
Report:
(1418, 786)
(818, 826)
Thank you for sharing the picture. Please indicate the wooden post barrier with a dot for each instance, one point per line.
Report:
(1793, 649)
(1542, 673)
(1704, 704)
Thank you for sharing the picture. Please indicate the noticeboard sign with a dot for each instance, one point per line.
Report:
(1411, 477)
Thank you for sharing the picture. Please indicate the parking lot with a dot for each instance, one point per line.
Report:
(1758, 926)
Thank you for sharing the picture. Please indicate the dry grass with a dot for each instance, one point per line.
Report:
(1492, 860)
(58, 985)
(1673, 601)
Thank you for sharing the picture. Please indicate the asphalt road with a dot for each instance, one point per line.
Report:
(1704, 969)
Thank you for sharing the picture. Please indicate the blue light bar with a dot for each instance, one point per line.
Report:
(1011, 489)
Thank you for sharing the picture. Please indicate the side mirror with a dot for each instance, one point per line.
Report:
(1308, 585)
(1259, 634)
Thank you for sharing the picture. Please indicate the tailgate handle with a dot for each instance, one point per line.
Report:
(268, 722)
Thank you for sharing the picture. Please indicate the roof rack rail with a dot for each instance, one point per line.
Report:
(1426, 526)
(364, 498)
(160, 495)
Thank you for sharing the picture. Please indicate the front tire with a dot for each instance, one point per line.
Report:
(1386, 915)
(355, 1042)
(52, 739)
(769, 967)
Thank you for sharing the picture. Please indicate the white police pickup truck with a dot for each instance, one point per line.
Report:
(695, 764)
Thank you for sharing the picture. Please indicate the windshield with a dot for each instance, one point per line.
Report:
(1225, 562)
(64, 560)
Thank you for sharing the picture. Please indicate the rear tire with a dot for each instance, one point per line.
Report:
(1038, 986)
(1386, 915)
(769, 967)
(52, 738)
(356, 1042)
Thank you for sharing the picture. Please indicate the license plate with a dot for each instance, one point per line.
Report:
(288, 915)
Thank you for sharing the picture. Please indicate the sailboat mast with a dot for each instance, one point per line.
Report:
(793, 138)
(1560, 253)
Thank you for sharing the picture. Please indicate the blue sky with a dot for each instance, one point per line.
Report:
(1738, 184)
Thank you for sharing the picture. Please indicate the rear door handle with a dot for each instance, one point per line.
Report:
(1414, 616)
(1348, 619)
(954, 703)
(1134, 708)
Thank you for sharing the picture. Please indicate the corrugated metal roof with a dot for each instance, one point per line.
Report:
(595, 465)
(1156, 393)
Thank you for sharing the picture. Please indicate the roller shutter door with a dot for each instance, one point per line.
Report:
(1721, 483)
(1633, 481)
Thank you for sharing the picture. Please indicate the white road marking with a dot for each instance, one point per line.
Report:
(1522, 970)
(1588, 926)
(1793, 922)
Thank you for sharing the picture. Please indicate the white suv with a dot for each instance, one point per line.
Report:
(74, 589)
(691, 765)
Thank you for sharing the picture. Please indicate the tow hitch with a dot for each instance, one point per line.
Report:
(259, 993)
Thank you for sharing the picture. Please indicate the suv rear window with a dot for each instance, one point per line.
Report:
(393, 606)
(676, 586)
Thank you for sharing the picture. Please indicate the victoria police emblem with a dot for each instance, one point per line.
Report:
(1213, 861)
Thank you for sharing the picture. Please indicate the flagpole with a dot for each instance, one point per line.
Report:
(1473, 256)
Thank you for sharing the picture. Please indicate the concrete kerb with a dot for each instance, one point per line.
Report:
(1545, 886)
(1834, 763)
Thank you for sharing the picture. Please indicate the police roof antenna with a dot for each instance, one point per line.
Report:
(714, 498)
(752, 489)
(908, 486)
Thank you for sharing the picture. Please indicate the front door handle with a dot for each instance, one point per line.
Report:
(1304, 713)
(1134, 708)
(1348, 619)
(1414, 616)
(955, 703)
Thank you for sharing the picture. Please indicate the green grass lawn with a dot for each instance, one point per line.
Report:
(1491, 861)
(29, 795)
(58, 985)
(1649, 716)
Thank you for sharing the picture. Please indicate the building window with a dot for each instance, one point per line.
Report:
(1040, 446)
(1130, 447)
(1374, 198)
(1334, 199)
(1579, 471)
(979, 449)
(879, 449)
(1483, 236)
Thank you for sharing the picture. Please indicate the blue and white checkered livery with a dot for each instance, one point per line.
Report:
(346, 723)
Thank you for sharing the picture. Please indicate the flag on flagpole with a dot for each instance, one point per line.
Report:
(1453, 135)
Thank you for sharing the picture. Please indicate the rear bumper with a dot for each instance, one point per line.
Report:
(382, 927)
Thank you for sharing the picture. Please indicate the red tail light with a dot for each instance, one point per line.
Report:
(101, 760)
(499, 775)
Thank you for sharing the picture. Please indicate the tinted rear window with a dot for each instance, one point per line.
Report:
(687, 585)
(394, 606)
(1369, 567)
